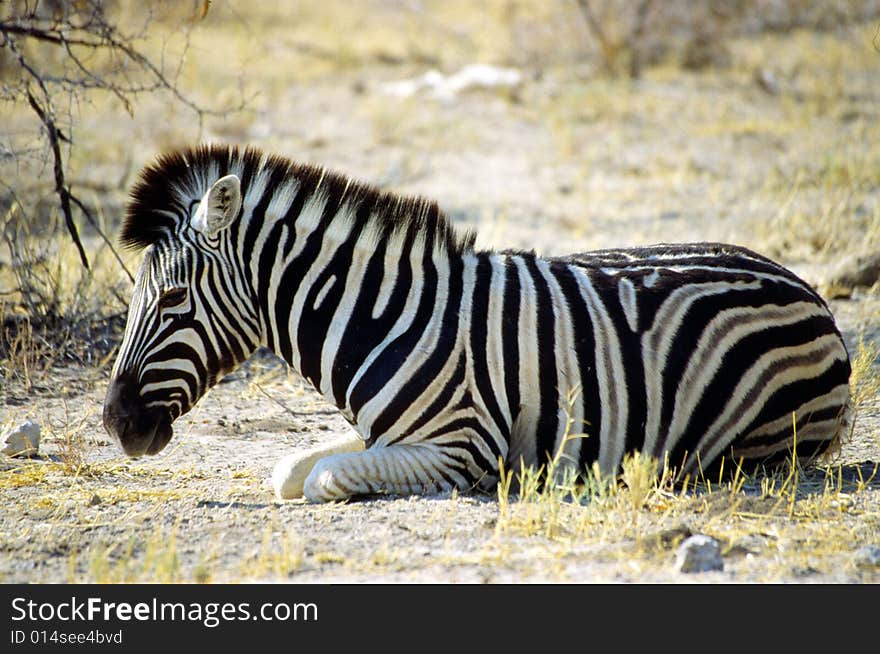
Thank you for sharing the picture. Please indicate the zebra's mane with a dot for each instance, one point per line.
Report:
(162, 198)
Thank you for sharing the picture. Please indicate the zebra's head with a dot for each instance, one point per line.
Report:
(191, 317)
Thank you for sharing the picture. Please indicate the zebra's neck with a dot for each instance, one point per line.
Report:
(342, 274)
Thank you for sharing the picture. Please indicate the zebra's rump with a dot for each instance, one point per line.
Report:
(696, 351)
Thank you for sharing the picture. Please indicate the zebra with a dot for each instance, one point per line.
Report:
(452, 362)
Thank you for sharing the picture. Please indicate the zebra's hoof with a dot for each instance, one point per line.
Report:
(290, 473)
(322, 484)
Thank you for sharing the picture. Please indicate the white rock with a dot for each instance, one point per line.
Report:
(767, 81)
(699, 553)
(482, 76)
(446, 87)
(23, 440)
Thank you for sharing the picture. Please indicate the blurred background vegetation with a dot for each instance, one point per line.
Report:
(625, 122)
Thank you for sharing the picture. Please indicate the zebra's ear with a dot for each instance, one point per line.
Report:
(219, 207)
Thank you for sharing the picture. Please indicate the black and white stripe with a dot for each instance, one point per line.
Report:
(447, 359)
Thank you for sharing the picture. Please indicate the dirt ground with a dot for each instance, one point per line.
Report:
(565, 160)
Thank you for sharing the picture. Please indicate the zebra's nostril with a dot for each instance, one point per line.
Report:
(144, 433)
(138, 429)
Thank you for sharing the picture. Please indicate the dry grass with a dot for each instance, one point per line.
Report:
(640, 520)
(797, 167)
(106, 498)
(281, 554)
(641, 516)
(865, 378)
(834, 224)
(53, 311)
(156, 561)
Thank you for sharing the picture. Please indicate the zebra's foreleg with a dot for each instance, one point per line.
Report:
(397, 469)
(290, 472)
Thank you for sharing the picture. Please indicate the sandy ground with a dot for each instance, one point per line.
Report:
(558, 164)
(203, 510)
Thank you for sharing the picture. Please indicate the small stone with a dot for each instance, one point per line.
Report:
(96, 500)
(862, 270)
(23, 440)
(804, 571)
(767, 81)
(867, 556)
(699, 553)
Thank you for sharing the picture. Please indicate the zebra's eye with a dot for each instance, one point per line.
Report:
(172, 297)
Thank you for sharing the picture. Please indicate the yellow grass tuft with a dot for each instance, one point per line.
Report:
(865, 377)
(155, 560)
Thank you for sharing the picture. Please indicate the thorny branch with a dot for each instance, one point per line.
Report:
(638, 32)
(610, 47)
(60, 186)
(605, 45)
(64, 51)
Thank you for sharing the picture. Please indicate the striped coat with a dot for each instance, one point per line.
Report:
(447, 359)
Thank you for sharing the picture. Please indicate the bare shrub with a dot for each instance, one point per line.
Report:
(55, 57)
(631, 35)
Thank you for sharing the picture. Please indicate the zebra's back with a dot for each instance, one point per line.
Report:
(688, 351)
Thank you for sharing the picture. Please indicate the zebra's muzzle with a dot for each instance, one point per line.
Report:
(138, 429)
